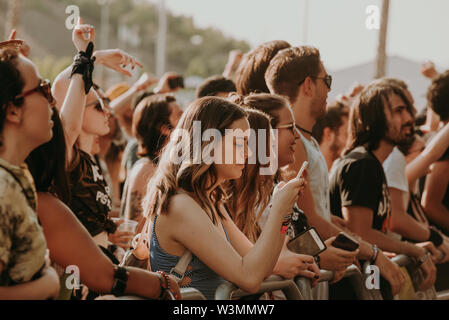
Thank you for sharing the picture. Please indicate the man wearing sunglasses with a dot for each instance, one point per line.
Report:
(299, 74)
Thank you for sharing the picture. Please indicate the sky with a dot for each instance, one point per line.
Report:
(418, 29)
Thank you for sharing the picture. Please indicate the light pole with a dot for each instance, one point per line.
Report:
(382, 46)
(12, 16)
(161, 39)
(104, 35)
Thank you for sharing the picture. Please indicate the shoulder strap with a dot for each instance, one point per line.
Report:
(142, 251)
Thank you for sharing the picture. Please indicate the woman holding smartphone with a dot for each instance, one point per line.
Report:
(185, 202)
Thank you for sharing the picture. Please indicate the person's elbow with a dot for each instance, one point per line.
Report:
(250, 286)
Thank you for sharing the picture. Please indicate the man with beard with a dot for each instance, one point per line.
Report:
(299, 74)
(331, 132)
(358, 188)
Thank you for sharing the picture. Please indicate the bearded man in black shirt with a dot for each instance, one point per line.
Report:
(381, 118)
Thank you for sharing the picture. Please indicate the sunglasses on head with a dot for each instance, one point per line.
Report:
(327, 80)
(44, 88)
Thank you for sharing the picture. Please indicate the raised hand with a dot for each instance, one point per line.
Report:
(163, 85)
(428, 70)
(146, 80)
(24, 48)
(82, 34)
(117, 60)
(285, 195)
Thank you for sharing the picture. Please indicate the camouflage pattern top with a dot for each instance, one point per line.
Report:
(90, 199)
(22, 241)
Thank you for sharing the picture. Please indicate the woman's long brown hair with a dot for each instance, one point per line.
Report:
(197, 179)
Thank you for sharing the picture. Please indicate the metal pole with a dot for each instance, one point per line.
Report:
(161, 39)
(104, 40)
(381, 62)
(12, 16)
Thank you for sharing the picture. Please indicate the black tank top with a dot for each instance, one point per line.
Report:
(90, 199)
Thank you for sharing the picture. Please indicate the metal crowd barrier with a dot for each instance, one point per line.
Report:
(186, 294)
(430, 294)
(228, 290)
(352, 272)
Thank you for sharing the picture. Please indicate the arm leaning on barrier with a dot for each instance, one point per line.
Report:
(228, 290)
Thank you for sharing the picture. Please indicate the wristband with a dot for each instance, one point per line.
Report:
(164, 283)
(435, 237)
(375, 254)
(120, 280)
(83, 64)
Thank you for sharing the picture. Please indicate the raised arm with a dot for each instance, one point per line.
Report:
(73, 100)
(433, 151)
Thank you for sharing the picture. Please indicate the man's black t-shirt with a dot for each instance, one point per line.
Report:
(358, 179)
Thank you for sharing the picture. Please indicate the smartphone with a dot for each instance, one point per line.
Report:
(345, 242)
(177, 82)
(304, 166)
(308, 242)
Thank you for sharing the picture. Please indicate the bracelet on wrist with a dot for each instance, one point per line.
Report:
(164, 283)
(83, 64)
(375, 254)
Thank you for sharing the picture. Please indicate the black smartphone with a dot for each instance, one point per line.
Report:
(177, 82)
(345, 242)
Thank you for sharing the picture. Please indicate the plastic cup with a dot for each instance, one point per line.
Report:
(128, 226)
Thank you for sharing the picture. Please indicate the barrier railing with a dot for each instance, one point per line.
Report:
(405, 261)
(227, 290)
(352, 272)
(186, 294)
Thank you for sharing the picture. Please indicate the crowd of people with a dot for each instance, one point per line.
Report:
(215, 188)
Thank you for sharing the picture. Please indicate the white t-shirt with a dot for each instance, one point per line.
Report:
(394, 167)
(318, 177)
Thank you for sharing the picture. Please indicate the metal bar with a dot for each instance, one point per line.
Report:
(228, 290)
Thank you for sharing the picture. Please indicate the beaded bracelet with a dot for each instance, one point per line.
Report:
(164, 283)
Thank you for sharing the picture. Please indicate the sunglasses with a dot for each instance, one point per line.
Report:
(327, 80)
(290, 126)
(43, 88)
